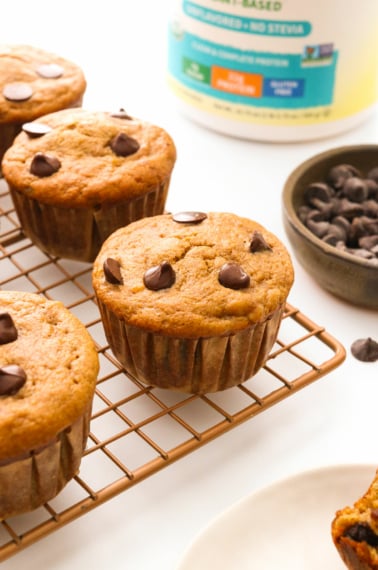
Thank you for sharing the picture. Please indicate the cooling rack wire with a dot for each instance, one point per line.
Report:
(136, 430)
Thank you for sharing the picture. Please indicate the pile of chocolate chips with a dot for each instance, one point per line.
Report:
(342, 210)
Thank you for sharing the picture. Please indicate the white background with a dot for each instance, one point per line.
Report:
(122, 49)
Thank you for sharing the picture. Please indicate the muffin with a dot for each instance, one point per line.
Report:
(88, 174)
(48, 372)
(34, 82)
(355, 531)
(192, 301)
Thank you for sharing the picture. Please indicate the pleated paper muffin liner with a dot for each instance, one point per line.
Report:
(198, 365)
(78, 233)
(29, 481)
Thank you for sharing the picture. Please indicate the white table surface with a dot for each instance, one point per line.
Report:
(122, 48)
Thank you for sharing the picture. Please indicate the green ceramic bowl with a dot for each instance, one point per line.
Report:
(343, 274)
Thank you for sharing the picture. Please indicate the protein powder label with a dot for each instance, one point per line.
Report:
(254, 61)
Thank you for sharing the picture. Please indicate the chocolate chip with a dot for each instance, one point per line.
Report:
(339, 173)
(373, 174)
(50, 70)
(320, 191)
(368, 242)
(123, 145)
(258, 243)
(12, 378)
(112, 271)
(44, 165)
(361, 532)
(351, 211)
(232, 276)
(34, 129)
(355, 189)
(189, 217)
(319, 229)
(365, 349)
(159, 277)
(121, 114)
(17, 91)
(8, 331)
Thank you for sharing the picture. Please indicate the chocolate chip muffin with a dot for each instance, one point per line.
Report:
(34, 82)
(192, 301)
(48, 372)
(355, 531)
(76, 176)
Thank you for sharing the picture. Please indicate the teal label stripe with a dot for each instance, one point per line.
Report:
(274, 28)
(289, 81)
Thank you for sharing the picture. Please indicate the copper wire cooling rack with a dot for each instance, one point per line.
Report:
(136, 430)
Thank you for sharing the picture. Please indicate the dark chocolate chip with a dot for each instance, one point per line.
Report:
(232, 276)
(361, 532)
(12, 378)
(368, 242)
(372, 186)
(50, 70)
(189, 217)
(365, 349)
(339, 173)
(121, 114)
(334, 234)
(8, 331)
(355, 189)
(159, 277)
(258, 243)
(123, 145)
(319, 229)
(349, 209)
(318, 191)
(112, 271)
(44, 165)
(371, 208)
(17, 91)
(34, 129)
(373, 174)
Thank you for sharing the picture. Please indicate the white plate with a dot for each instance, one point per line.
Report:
(286, 525)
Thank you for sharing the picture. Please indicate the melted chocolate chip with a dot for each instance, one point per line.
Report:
(34, 129)
(362, 533)
(112, 271)
(43, 165)
(50, 70)
(17, 91)
(159, 277)
(365, 349)
(258, 243)
(8, 331)
(232, 276)
(123, 145)
(121, 114)
(189, 217)
(12, 378)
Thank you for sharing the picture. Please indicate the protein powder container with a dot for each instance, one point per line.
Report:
(279, 71)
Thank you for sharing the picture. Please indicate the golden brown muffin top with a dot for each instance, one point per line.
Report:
(89, 158)
(193, 275)
(34, 82)
(57, 355)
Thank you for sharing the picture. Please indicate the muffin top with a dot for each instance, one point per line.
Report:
(79, 158)
(34, 82)
(48, 371)
(193, 274)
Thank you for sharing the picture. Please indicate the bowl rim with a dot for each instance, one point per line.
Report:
(293, 218)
